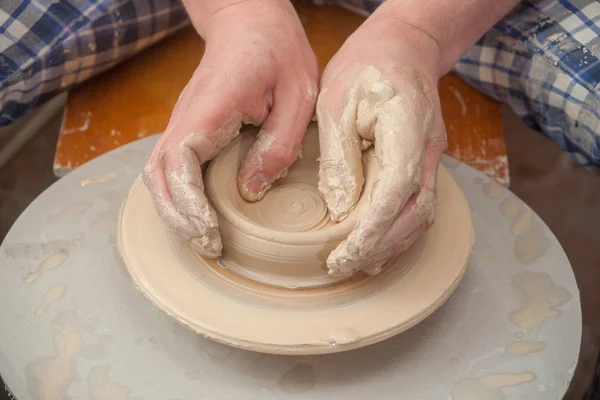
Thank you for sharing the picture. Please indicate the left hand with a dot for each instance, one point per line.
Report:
(381, 88)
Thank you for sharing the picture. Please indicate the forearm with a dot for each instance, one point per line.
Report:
(454, 25)
(202, 12)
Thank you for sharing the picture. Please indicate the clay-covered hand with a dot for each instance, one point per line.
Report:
(258, 68)
(381, 89)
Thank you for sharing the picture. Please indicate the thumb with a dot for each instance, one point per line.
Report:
(278, 143)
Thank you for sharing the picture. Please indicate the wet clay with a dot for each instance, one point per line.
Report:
(103, 178)
(102, 388)
(49, 378)
(522, 347)
(70, 211)
(541, 299)
(489, 387)
(55, 293)
(299, 379)
(50, 263)
(280, 244)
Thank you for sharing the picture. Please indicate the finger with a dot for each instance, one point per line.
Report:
(174, 174)
(340, 168)
(401, 131)
(278, 143)
(412, 222)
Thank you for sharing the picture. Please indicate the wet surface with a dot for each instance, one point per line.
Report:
(565, 196)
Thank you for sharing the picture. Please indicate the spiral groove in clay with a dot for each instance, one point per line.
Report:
(292, 208)
(284, 239)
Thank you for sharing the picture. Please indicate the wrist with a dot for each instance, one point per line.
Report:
(454, 25)
(417, 47)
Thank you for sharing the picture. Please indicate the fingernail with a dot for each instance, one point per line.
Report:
(256, 187)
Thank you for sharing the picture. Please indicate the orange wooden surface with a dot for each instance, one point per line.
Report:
(135, 99)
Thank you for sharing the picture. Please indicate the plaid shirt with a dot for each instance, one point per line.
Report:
(542, 59)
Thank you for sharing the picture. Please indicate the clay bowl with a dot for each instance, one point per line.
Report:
(270, 292)
(283, 239)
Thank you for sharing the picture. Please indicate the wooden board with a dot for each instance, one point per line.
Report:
(135, 99)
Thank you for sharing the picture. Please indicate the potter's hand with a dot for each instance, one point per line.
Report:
(381, 88)
(258, 68)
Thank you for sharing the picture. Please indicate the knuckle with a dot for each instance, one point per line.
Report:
(283, 155)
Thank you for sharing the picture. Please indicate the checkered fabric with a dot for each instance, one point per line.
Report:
(542, 59)
(47, 46)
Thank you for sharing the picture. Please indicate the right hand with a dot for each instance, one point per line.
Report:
(258, 68)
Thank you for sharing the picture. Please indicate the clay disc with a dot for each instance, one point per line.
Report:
(217, 302)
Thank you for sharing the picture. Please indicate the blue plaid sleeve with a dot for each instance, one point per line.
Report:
(542, 60)
(49, 46)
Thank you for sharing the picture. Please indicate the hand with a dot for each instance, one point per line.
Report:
(258, 69)
(381, 88)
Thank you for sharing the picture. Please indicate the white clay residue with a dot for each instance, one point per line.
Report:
(489, 387)
(299, 379)
(103, 178)
(49, 378)
(522, 347)
(460, 99)
(55, 293)
(101, 387)
(541, 299)
(70, 211)
(50, 263)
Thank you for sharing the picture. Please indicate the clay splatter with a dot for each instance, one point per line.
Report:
(454, 361)
(103, 178)
(78, 236)
(75, 209)
(511, 207)
(523, 223)
(460, 99)
(521, 348)
(102, 388)
(299, 379)
(50, 377)
(50, 263)
(541, 299)
(193, 375)
(489, 387)
(55, 293)
(95, 351)
(531, 244)
(493, 189)
(218, 351)
(105, 340)
(519, 335)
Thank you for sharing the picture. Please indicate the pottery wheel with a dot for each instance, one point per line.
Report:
(73, 325)
(270, 292)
